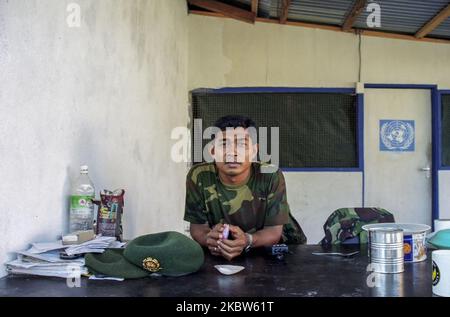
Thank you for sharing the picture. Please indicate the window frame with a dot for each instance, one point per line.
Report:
(439, 132)
(359, 119)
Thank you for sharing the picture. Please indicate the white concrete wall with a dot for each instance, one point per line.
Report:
(226, 52)
(106, 94)
(314, 196)
(229, 53)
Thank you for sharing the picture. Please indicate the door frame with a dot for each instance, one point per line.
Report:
(435, 137)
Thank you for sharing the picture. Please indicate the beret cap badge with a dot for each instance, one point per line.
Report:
(151, 264)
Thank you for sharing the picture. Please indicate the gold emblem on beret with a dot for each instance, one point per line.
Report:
(151, 264)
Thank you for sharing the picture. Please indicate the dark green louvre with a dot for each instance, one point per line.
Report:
(317, 130)
(445, 130)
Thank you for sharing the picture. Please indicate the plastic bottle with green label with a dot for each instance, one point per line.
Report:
(81, 205)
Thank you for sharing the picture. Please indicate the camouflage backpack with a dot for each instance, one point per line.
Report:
(292, 232)
(346, 223)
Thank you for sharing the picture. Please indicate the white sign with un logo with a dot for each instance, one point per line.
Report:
(397, 135)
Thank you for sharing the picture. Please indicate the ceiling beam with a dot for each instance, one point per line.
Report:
(255, 7)
(284, 11)
(434, 22)
(225, 9)
(358, 7)
(333, 28)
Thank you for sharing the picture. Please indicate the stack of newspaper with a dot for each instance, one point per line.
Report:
(46, 264)
(97, 245)
(44, 258)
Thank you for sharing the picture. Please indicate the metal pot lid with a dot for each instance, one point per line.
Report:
(408, 228)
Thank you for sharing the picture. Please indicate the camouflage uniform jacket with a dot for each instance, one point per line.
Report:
(260, 202)
(346, 223)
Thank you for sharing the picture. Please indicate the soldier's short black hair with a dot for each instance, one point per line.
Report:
(234, 121)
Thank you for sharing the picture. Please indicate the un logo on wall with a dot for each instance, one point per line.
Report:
(397, 135)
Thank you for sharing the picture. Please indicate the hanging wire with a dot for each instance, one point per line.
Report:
(359, 53)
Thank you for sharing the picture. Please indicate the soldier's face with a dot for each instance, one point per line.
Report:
(234, 151)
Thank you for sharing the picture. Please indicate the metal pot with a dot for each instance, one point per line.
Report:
(386, 250)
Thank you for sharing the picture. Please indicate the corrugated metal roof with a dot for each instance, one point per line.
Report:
(326, 12)
(403, 16)
(443, 30)
(238, 3)
(264, 6)
(397, 16)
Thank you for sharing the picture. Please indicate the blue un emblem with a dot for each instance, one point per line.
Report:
(397, 135)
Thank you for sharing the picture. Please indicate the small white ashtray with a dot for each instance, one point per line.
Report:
(229, 269)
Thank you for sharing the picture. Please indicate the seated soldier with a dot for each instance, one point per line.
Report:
(234, 190)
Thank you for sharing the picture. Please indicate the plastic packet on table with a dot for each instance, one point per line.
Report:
(109, 216)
